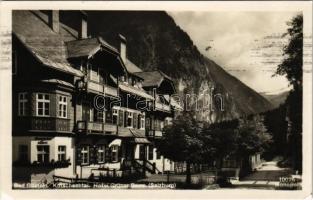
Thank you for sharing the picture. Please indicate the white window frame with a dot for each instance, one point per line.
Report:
(85, 152)
(114, 151)
(61, 152)
(101, 151)
(130, 115)
(142, 122)
(62, 106)
(22, 100)
(43, 153)
(43, 101)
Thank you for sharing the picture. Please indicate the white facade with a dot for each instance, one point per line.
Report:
(53, 143)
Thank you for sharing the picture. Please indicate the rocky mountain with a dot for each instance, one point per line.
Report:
(155, 41)
(276, 99)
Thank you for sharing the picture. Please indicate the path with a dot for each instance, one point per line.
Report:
(267, 176)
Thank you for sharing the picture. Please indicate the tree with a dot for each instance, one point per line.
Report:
(219, 141)
(181, 142)
(292, 67)
(252, 138)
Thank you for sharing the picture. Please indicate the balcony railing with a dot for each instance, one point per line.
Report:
(100, 88)
(162, 107)
(43, 124)
(96, 127)
(154, 133)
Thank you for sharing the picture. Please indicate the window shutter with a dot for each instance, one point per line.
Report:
(110, 152)
(147, 123)
(92, 155)
(119, 151)
(107, 154)
(78, 155)
(135, 120)
(120, 117)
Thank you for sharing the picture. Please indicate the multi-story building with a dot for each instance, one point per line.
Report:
(43, 97)
(80, 107)
(161, 87)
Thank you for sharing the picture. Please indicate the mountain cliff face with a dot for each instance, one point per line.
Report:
(154, 41)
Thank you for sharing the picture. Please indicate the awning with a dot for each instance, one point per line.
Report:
(116, 142)
(141, 141)
(136, 91)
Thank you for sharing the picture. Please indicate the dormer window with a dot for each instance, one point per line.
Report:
(122, 78)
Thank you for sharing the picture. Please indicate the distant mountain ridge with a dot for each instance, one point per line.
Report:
(154, 41)
(276, 99)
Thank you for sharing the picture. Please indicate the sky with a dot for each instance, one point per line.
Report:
(246, 44)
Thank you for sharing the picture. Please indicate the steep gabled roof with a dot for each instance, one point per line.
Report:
(131, 67)
(153, 78)
(87, 47)
(45, 45)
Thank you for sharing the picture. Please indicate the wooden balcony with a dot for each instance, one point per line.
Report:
(100, 88)
(96, 128)
(43, 124)
(154, 133)
(162, 107)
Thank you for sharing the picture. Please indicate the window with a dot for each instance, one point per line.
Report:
(157, 125)
(43, 104)
(129, 119)
(122, 78)
(150, 153)
(43, 152)
(63, 106)
(85, 154)
(115, 116)
(114, 153)
(168, 121)
(22, 104)
(23, 152)
(99, 116)
(61, 153)
(101, 154)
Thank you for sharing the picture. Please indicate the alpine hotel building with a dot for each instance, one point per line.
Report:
(80, 106)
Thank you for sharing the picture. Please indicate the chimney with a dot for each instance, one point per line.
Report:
(82, 34)
(123, 52)
(53, 20)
